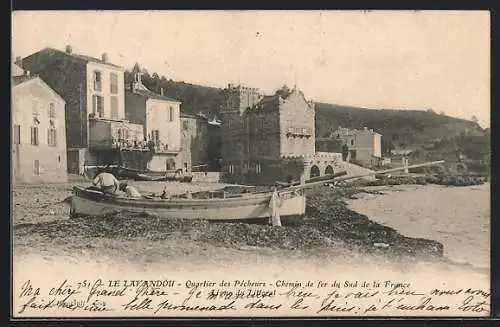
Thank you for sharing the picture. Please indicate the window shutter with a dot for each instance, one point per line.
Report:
(17, 134)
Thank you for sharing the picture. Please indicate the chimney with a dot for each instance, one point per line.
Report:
(365, 128)
(104, 57)
(161, 91)
(69, 49)
(19, 61)
(27, 72)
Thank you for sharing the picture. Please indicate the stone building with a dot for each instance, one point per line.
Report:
(160, 118)
(38, 131)
(200, 143)
(267, 138)
(93, 88)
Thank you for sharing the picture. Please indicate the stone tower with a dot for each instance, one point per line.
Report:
(234, 129)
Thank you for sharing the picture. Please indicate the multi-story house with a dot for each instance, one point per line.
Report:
(268, 138)
(365, 145)
(38, 131)
(160, 118)
(93, 88)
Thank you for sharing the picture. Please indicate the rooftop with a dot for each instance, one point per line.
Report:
(79, 56)
(16, 80)
(152, 95)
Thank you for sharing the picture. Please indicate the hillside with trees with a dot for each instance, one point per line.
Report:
(416, 130)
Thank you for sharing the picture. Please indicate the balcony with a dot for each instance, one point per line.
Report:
(115, 134)
(299, 131)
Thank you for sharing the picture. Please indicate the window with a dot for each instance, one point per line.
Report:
(37, 167)
(51, 135)
(352, 142)
(171, 113)
(114, 107)
(185, 125)
(17, 134)
(97, 81)
(257, 168)
(98, 105)
(113, 80)
(52, 110)
(230, 169)
(155, 135)
(34, 135)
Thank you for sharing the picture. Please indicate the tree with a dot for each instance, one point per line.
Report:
(474, 119)
(284, 91)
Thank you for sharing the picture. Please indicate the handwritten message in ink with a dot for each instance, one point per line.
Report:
(170, 297)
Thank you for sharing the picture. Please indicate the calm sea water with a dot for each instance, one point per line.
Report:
(458, 217)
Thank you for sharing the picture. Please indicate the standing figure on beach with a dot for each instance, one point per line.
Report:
(106, 182)
(274, 204)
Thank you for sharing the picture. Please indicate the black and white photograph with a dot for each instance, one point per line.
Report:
(245, 163)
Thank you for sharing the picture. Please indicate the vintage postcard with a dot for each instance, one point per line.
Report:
(250, 163)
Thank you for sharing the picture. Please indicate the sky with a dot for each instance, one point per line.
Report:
(376, 59)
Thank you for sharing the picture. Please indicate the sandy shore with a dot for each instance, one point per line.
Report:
(44, 257)
(458, 217)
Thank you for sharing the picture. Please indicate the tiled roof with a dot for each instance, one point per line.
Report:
(80, 57)
(16, 80)
(152, 95)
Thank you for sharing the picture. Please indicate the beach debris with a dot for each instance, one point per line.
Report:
(328, 224)
(381, 245)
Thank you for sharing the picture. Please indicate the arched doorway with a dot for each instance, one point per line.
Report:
(329, 170)
(314, 171)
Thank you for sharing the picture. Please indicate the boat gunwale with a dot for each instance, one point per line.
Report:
(257, 199)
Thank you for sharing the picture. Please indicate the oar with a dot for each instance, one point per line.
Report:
(314, 179)
(309, 185)
(432, 163)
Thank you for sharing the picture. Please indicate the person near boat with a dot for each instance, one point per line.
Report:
(106, 182)
(129, 190)
(274, 205)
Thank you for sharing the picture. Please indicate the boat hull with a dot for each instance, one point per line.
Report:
(246, 208)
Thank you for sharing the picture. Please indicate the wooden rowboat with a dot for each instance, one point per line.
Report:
(245, 207)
